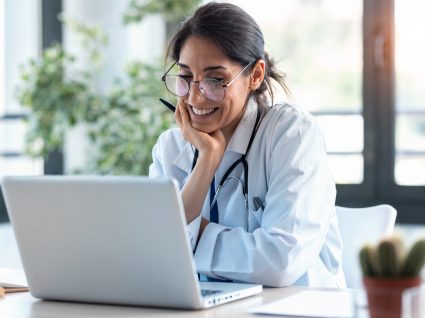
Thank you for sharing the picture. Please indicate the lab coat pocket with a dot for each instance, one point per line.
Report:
(255, 217)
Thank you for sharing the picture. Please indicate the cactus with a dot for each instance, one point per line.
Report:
(415, 260)
(389, 255)
(368, 261)
(388, 259)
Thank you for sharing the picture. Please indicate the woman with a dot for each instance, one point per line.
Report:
(272, 220)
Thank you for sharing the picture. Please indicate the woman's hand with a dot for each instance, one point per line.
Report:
(211, 146)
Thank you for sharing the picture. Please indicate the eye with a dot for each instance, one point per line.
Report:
(185, 77)
(215, 79)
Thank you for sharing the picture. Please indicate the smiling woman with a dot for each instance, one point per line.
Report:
(207, 108)
(272, 219)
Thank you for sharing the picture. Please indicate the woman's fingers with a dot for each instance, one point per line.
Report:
(185, 117)
(204, 142)
(183, 121)
(177, 116)
(219, 137)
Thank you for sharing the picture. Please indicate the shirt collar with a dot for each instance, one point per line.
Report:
(184, 158)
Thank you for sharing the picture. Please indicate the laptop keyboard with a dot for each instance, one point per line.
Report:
(209, 292)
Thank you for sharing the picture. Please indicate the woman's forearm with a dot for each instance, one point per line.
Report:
(197, 186)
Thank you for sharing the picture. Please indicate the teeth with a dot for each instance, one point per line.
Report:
(201, 111)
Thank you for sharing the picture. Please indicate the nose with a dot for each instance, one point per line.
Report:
(195, 96)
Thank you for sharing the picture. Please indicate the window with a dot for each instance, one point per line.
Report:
(22, 35)
(358, 67)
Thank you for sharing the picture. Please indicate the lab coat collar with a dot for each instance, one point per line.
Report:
(238, 143)
(240, 139)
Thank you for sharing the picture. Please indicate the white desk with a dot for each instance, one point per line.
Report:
(23, 305)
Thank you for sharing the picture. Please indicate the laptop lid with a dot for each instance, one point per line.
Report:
(103, 239)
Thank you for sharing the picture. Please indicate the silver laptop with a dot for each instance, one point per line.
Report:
(115, 240)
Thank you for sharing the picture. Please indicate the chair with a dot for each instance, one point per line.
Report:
(359, 226)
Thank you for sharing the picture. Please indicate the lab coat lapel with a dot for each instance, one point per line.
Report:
(240, 139)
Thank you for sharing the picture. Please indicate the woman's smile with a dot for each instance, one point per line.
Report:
(203, 111)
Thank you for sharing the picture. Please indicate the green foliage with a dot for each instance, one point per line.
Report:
(388, 259)
(127, 131)
(123, 123)
(92, 38)
(172, 10)
(56, 101)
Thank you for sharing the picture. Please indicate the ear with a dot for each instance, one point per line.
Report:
(257, 74)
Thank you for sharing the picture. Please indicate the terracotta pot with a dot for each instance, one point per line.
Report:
(384, 295)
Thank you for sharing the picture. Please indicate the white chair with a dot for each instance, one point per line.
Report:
(359, 226)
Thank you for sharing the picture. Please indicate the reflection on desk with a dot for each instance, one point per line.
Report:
(25, 306)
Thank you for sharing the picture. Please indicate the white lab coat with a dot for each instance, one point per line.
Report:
(295, 239)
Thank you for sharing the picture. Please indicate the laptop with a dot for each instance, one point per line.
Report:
(115, 240)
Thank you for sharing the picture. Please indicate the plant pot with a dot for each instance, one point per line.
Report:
(384, 295)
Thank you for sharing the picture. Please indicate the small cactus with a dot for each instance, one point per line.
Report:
(388, 259)
(415, 260)
(368, 260)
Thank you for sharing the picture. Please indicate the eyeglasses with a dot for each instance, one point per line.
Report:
(212, 88)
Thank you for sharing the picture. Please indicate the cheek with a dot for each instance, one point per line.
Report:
(241, 91)
(237, 101)
(232, 110)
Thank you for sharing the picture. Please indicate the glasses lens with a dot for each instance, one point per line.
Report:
(176, 85)
(212, 89)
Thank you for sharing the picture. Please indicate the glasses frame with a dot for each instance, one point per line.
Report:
(224, 85)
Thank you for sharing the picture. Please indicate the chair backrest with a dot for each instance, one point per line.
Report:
(359, 226)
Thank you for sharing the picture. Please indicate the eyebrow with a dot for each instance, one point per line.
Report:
(209, 68)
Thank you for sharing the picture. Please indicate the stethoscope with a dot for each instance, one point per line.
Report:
(226, 175)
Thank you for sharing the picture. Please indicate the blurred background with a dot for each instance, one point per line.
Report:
(80, 81)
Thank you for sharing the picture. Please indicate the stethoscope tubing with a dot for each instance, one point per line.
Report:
(235, 164)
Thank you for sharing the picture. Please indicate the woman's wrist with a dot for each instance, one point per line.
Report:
(210, 160)
(204, 223)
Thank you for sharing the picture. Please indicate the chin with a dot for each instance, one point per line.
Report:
(204, 128)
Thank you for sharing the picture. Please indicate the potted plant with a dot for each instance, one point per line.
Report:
(387, 271)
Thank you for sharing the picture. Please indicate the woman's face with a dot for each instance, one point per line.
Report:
(200, 59)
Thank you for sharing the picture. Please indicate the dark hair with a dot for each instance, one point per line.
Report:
(238, 36)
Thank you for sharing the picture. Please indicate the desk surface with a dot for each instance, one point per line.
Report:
(23, 305)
